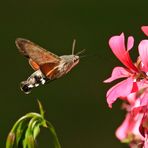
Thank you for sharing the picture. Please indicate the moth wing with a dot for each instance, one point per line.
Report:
(36, 53)
(49, 70)
(34, 65)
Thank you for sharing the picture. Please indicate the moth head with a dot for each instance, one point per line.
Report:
(70, 59)
(74, 60)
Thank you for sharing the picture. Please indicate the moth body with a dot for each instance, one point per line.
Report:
(34, 80)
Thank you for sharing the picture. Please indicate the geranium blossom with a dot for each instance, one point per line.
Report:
(133, 90)
(117, 44)
(134, 73)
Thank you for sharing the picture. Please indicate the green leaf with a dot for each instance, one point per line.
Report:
(20, 131)
(29, 141)
(29, 138)
(26, 129)
(36, 131)
(10, 140)
(41, 108)
(52, 130)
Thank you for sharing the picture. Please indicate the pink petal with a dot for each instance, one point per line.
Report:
(145, 30)
(137, 110)
(143, 97)
(142, 84)
(130, 126)
(135, 87)
(117, 44)
(121, 132)
(146, 143)
(130, 43)
(118, 72)
(131, 98)
(144, 126)
(121, 89)
(143, 52)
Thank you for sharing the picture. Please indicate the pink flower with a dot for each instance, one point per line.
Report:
(117, 44)
(133, 90)
(136, 74)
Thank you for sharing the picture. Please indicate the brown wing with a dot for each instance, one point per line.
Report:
(34, 65)
(49, 70)
(36, 53)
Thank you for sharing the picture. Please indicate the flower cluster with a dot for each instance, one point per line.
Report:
(133, 89)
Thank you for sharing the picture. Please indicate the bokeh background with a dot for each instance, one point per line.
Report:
(75, 104)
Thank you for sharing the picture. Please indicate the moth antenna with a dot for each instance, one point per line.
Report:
(73, 46)
(80, 52)
(83, 56)
(90, 55)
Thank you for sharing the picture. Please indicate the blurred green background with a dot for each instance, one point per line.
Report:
(75, 104)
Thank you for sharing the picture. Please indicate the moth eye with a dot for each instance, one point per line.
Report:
(75, 59)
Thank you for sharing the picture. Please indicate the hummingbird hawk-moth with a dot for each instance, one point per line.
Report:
(47, 66)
